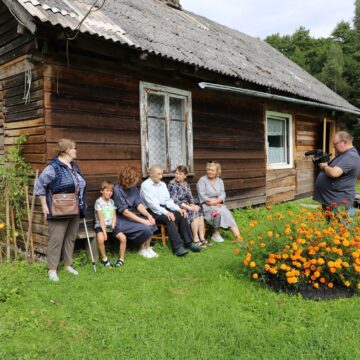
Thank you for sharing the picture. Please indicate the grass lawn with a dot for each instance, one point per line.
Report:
(197, 307)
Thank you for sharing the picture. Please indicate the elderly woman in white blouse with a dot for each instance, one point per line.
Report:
(212, 196)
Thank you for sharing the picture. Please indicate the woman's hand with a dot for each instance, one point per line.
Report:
(183, 213)
(151, 220)
(105, 234)
(196, 207)
(213, 202)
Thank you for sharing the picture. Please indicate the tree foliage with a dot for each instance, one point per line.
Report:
(334, 60)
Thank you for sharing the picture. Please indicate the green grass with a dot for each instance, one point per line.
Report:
(197, 307)
(357, 187)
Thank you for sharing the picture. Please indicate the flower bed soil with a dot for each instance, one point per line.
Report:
(308, 291)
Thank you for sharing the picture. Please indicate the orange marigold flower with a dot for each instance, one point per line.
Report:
(347, 283)
(255, 276)
(358, 286)
(316, 285)
(333, 270)
(321, 261)
(316, 274)
(322, 280)
(269, 233)
(252, 264)
(330, 285)
(236, 251)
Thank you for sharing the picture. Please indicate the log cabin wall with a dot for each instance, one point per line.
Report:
(229, 128)
(309, 132)
(101, 113)
(21, 118)
(288, 184)
(21, 96)
(1, 119)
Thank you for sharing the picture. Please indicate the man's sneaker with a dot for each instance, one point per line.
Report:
(181, 251)
(151, 251)
(194, 247)
(217, 238)
(106, 263)
(144, 253)
(71, 270)
(53, 276)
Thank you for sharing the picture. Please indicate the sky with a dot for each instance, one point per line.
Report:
(260, 18)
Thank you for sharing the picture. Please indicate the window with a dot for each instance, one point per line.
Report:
(166, 127)
(279, 140)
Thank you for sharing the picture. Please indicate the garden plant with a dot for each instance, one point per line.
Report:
(14, 180)
(310, 247)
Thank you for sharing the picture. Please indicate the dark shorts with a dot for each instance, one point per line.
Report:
(99, 230)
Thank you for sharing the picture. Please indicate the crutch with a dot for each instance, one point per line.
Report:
(88, 240)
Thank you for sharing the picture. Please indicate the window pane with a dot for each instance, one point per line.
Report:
(156, 130)
(156, 105)
(177, 131)
(277, 151)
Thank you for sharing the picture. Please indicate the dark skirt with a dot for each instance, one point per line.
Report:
(136, 233)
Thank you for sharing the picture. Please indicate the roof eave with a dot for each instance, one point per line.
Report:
(21, 15)
(259, 94)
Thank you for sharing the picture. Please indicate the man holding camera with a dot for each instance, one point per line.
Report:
(335, 184)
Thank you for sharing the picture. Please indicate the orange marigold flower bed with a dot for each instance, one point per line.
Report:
(308, 248)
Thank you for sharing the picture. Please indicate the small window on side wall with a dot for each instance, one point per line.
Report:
(279, 140)
(166, 127)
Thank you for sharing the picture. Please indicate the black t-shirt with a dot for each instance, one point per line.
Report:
(335, 190)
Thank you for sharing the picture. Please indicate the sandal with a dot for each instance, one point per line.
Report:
(119, 262)
(106, 263)
(203, 243)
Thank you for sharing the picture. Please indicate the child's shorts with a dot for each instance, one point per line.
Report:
(99, 230)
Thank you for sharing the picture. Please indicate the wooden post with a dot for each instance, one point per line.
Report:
(14, 234)
(28, 217)
(29, 237)
(7, 215)
(1, 247)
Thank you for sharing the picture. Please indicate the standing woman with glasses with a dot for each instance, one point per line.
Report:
(61, 176)
(212, 196)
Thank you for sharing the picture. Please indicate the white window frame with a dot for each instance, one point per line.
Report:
(145, 89)
(289, 139)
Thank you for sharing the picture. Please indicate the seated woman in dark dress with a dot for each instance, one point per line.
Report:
(133, 219)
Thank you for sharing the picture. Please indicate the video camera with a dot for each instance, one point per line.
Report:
(319, 156)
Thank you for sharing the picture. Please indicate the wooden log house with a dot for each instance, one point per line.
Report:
(138, 82)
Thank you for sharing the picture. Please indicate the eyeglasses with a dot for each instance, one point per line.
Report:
(336, 143)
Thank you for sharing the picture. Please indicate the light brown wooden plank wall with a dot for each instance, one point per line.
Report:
(309, 132)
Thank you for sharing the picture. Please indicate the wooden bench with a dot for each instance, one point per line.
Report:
(161, 236)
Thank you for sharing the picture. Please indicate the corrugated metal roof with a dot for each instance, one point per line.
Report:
(152, 26)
